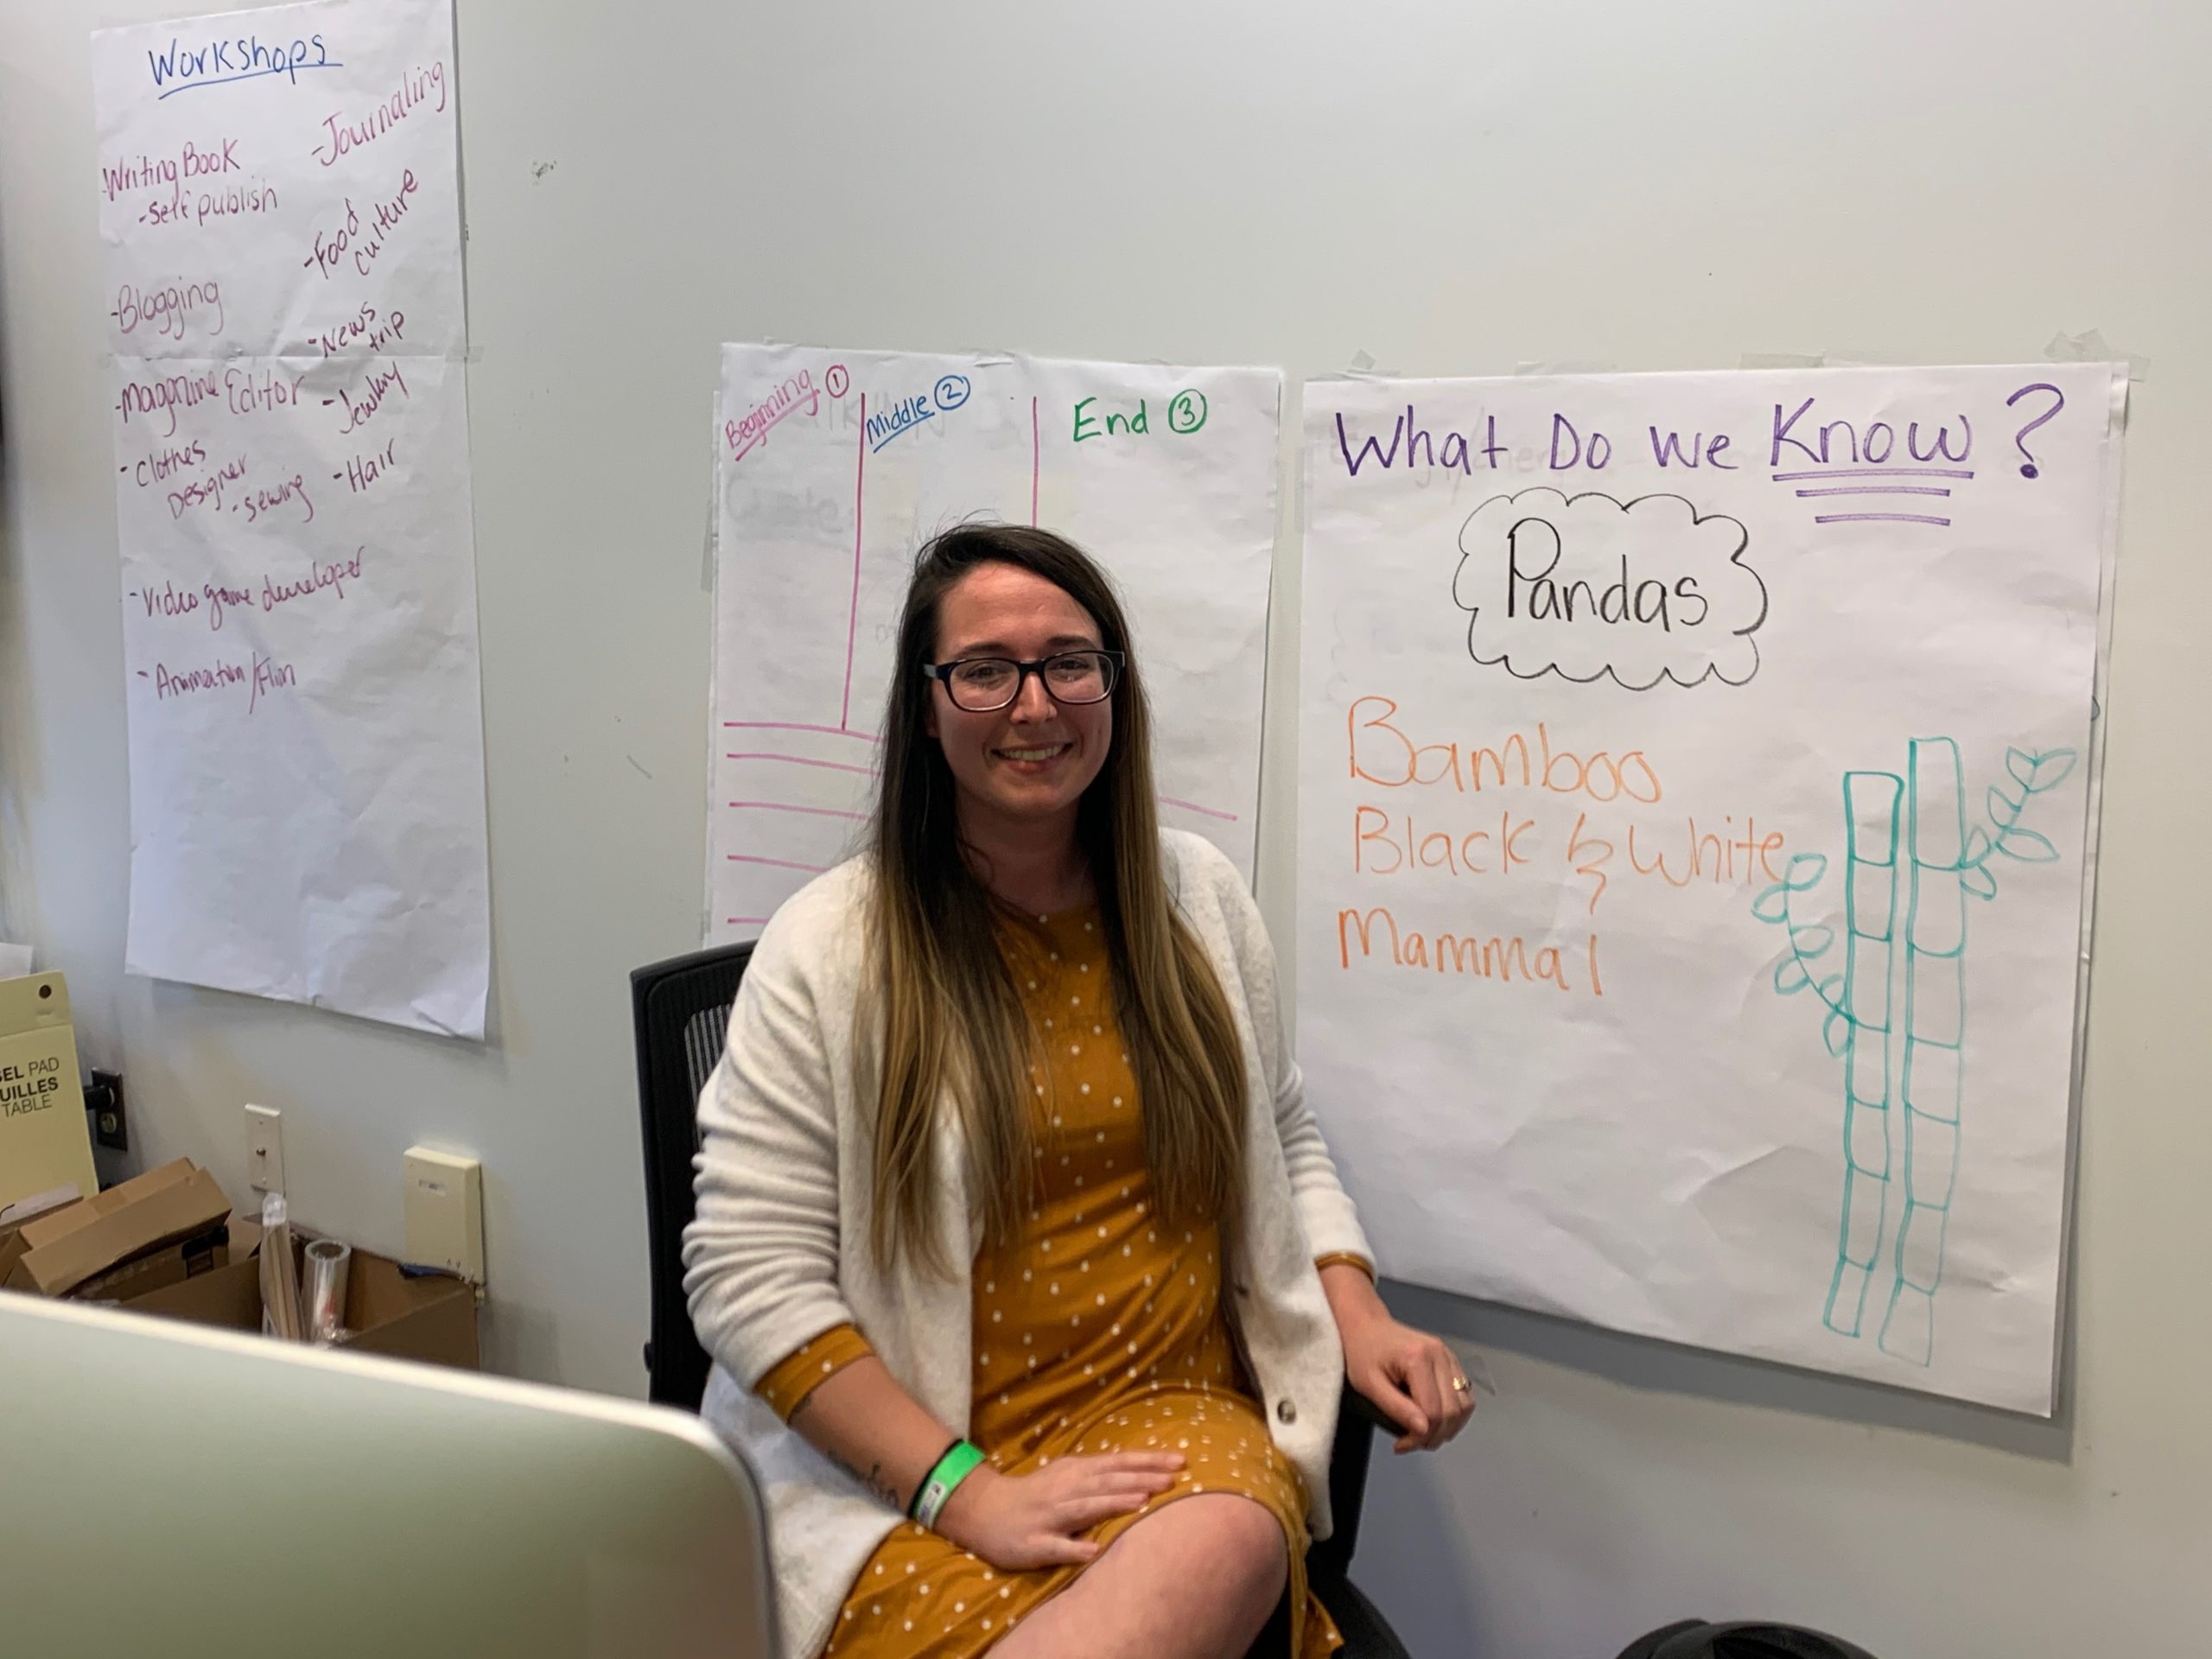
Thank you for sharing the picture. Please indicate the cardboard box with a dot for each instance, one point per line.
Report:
(66, 1248)
(171, 1264)
(11, 1230)
(430, 1316)
(228, 1295)
(44, 1143)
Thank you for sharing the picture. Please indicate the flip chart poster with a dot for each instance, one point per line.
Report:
(279, 207)
(1694, 823)
(832, 468)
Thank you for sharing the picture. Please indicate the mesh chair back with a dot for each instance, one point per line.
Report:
(681, 1012)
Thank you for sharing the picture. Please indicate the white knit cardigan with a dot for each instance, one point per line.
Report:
(778, 1253)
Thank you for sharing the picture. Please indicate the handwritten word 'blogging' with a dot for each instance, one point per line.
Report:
(171, 309)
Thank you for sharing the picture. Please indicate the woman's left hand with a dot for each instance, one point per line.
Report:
(1411, 1377)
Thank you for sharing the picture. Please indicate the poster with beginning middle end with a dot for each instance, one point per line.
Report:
(1696, 831)
(833, 466)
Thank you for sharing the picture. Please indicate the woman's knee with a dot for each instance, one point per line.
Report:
(1242, 1547)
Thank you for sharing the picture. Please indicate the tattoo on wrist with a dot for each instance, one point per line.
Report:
(882, 1488)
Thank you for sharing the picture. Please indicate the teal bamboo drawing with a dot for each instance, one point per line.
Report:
(1910, 865)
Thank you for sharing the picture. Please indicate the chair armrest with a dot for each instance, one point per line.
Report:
(1366, 1411)
(1357, 1420)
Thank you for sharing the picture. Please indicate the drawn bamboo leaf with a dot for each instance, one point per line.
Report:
(1791, 976)
(1978, 879)
(1832, 992)
(1773, 905)
(1835, 1032)
(1811, 944)
(1805, 871)
(1978, 847)
(2022, 765)
(2011, 808)
(2027, 845)
(2053, 768)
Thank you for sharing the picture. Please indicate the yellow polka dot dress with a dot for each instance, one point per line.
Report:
(1099, 1329)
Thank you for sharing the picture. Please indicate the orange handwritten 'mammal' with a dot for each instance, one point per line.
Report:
(1505, 958)
(1381, 753)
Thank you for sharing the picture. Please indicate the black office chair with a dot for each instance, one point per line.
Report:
(681, 1008)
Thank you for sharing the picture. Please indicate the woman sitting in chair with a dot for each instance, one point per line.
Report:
(1030, 1286)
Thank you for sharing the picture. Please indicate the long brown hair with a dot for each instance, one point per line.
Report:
(951, 1024)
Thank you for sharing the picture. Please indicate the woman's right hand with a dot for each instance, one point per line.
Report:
(1019, 1522)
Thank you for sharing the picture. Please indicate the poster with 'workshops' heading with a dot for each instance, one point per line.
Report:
(279, 212)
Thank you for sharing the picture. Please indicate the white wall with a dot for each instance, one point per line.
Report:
(1446, 187)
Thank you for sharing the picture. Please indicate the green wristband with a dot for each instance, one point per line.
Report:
(958, 1463)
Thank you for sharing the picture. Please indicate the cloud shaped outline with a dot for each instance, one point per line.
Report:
(1712, 670)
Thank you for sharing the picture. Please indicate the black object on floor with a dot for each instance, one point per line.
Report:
(1695, 1638)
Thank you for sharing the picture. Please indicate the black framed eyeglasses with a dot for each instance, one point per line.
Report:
(983, 685)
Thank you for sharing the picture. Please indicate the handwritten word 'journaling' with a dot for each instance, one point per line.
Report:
(179, 68)
(171, 309)
(214, 600)
(416, 87)
(265, 675)
(243, 391)
(357, 242)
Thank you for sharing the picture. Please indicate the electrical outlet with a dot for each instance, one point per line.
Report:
(445, 1212)
(104, 1100)
(265, 1149)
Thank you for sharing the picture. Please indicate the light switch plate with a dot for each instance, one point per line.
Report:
(445, 1212)
(265, 1149)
